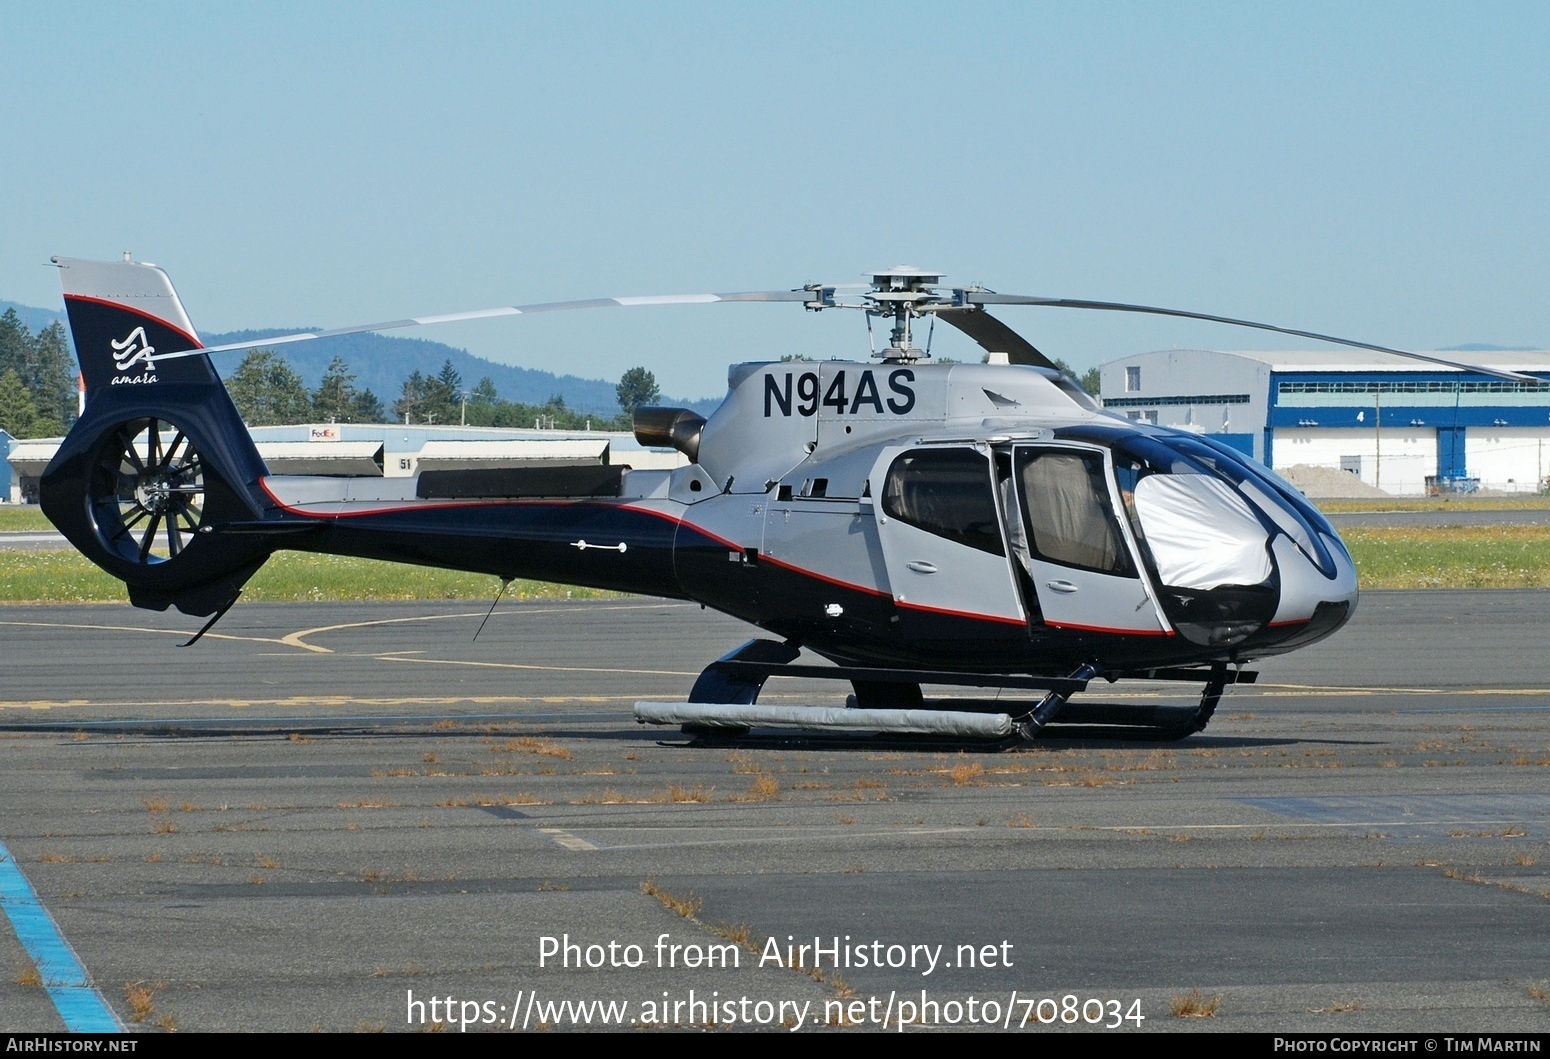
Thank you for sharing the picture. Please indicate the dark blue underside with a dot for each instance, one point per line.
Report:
(537, 539)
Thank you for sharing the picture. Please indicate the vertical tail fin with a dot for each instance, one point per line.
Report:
(160, 458)
(123, 314)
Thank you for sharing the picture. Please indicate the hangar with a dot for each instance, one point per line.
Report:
(385, 449)
(1405, 427)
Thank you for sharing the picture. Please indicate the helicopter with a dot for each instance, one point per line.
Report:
(912, 523)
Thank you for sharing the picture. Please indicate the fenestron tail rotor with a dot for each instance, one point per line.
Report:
(147, 492)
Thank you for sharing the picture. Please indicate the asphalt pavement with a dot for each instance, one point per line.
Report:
(339, 816)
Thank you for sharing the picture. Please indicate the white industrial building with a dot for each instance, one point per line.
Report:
(1403, 426)
(387, 450)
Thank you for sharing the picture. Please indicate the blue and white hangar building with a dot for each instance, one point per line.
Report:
(1405, 427)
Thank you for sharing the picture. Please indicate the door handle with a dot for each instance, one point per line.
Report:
(1061, 586)
(921, 567)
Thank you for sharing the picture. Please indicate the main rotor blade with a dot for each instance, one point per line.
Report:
(994, 336)
(507, 310)
(987, 298)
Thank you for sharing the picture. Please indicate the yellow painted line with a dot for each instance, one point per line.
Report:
(1409, 822)
(566, 839)
(295, 639)
(182, 633)
(764, 837)
(537, 668)
(1406, 691)
(302, 701)
(298, 638)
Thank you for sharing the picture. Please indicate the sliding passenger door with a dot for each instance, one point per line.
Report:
(1076, 552)
(942, 543)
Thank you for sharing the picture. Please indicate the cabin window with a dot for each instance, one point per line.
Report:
(946, 492)
(1065, 502)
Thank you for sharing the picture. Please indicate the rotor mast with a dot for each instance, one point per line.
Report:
(902, 292)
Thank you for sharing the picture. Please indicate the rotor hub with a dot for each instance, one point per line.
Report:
(902, 293)
(154, 493)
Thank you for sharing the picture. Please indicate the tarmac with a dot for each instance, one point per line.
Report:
(350, 816)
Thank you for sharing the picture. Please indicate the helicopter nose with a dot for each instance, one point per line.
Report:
(1309, 595)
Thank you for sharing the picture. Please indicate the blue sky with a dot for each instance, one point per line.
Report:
(1375, 170)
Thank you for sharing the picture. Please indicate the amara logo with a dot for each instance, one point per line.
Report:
(134, 349)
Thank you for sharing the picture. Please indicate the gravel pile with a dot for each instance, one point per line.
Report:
(1327, 483)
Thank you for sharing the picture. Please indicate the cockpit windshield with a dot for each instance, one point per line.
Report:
(1280, 506)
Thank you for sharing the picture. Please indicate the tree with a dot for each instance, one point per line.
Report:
(15, 344)
(443, 395)
(484, 404)
(53, 379)
(335, 398)
(45, 370)
(430, 398)
(638, 387)
(368, 408)
(18, 415)
(1088, 380)
(268, 392)
(410, 406)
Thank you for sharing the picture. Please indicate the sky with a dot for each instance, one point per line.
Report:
(1374, 170)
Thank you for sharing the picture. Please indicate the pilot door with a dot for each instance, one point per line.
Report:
(1060, 507)
(942, 543)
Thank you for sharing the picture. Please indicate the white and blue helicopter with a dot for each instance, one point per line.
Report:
(973, 525)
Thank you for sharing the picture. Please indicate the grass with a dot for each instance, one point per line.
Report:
(21, 518)
(763, 788)
(1194, 1005)
(967, 774)
(530, 745)
(686, 905)
(1340, 1008)
(1452, 557)
(288, 577)
(142, 998)
(677, 792)
(1483, 503)
(738, 934)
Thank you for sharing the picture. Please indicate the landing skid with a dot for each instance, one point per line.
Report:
(724, 701)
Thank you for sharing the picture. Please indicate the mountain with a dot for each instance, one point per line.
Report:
(35, 319)
(381, 363)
